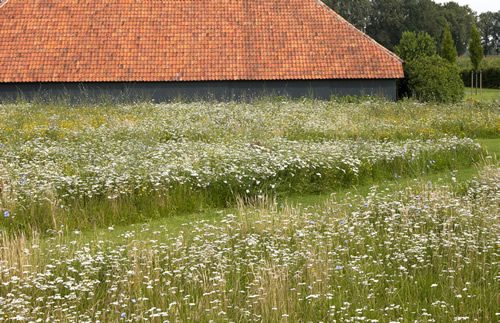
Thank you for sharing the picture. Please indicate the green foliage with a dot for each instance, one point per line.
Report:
(475, 48)
(413, 45)
(433, 79)
(460, 19)
(386, 20)
(448, 50)
(464, 63)
(489, 28)
(356, 12)
(424, 15)
(491, 77)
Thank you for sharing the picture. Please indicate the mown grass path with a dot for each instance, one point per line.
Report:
(487, 94)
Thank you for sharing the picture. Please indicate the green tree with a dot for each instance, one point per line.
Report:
(489, 29)
(475, 48)
(460, 19)
(357, 12)
(424, 15)
(448, 50)
(413, 45)
(386, 22)
(434, 79)
(410, 47)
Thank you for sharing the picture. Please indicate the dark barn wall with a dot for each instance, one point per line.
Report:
(220, 90)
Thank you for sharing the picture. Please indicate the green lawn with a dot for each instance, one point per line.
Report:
(488, 94)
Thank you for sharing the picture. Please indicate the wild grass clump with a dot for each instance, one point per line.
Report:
(425, 252)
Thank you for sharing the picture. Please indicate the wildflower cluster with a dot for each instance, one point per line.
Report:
(103, 166)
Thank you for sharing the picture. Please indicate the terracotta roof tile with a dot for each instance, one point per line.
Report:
(188, 40)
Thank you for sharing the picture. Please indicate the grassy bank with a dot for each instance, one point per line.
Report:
(464, 62)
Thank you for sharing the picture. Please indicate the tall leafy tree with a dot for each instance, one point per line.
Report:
(386, 22)
(357, 12)
(489, 29)
(411, 47)
(448, 50)
(424, 15)
(460, 19)
(475, 48)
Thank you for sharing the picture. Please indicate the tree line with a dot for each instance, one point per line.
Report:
(386, 20)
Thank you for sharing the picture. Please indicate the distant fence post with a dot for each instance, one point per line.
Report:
(471, 83)
(477, 72)
(481, 82)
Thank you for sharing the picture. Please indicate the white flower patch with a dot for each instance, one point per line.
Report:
(109, 167)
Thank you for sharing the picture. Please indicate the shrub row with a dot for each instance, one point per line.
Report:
(491, 77)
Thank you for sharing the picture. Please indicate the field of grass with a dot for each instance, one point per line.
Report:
(487, 94)
(274, 210)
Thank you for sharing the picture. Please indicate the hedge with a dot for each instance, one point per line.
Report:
(491, 77)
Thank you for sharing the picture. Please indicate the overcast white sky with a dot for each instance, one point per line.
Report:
(478, 6)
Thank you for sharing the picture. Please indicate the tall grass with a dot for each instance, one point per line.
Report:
(425, 252)
(111, 164)
(421, 252)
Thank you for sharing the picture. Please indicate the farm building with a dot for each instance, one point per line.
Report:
(168, 48)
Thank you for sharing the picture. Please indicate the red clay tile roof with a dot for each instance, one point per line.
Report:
(188, 40)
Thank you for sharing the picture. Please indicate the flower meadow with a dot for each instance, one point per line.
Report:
(57, 159)
(418, 253)
(180, 212)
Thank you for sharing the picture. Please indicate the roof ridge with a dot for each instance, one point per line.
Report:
(2, 3)
(362, 34)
